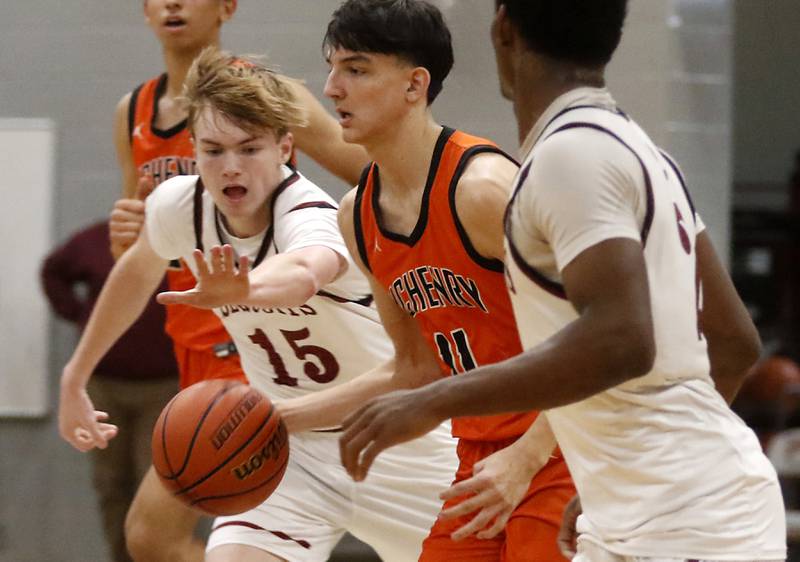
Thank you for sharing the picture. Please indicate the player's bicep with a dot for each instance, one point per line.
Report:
(608, 287)
(123, 147)
(481, 198)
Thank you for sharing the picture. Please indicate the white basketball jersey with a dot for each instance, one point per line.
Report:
(285, 352)
(662, 465)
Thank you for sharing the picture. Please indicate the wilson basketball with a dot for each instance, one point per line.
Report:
(220, 447)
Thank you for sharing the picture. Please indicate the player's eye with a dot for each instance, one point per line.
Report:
(213, 151)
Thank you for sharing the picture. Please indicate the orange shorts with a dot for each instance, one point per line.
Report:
(195, 366)
(531, 532)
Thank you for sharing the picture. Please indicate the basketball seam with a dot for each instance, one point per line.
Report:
(272, 477)
(231, 456)
(198, 427)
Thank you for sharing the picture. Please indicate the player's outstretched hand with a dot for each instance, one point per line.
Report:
(127, 218)
(385, 421)
(498, 484)
(568, 535)
(79, 423)
(219, 282)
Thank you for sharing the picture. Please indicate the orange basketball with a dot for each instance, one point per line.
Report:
(772, 378)
(220, 446)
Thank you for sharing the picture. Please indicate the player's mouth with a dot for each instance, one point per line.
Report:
(345, 117)
(175, 23)
(234, 192)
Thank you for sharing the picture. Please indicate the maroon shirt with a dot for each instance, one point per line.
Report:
(73, 275)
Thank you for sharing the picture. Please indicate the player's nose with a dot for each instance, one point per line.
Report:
(332, 88)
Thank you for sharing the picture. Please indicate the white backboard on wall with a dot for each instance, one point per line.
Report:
(27, 156)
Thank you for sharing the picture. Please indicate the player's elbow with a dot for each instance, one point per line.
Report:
(737, 349)
(305, 284)
(631, 350)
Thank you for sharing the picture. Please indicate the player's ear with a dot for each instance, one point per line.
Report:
(227, 9)
(418, 82)
(286, 146)
(502, 30)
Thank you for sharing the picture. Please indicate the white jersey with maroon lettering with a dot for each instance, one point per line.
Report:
(285, 352)
(662, 465)
(335, 336)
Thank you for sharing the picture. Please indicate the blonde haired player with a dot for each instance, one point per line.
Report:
(153, 144)
(315, 326)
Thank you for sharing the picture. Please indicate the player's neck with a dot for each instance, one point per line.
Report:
(246, 227)
(177, 64)
(404, 153)
(550, 80)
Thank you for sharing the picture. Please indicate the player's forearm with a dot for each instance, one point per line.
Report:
(328, 408)
(536, 445)
(729, 367)
(588, 356)
(289, 280)
(121, 302)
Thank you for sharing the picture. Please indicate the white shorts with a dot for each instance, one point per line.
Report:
(317, 501)
(590, 552)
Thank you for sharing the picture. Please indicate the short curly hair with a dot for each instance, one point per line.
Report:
(582, 32)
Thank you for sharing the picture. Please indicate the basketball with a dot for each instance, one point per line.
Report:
(220, 446)
(772, 379)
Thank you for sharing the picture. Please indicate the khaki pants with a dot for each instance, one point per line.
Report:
(133, 406)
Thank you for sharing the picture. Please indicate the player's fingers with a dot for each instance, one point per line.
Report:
(244, 266)
(216, 260)
(227, 258)
(144, 187)
(200, 262)
(476, 524)
(126, 219)
(468, 486)
(481, 501)
(496, 528)
(132, 206)
(353, 440)
(108, 430)
(177, 297)
(100, 415)
(368, 455)
(124, 238)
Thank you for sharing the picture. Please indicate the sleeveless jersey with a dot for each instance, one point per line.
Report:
(285, 352)
(164, 154)
(662, 465)
(457, 296)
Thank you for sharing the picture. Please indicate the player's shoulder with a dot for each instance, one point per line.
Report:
(486, 181)
(301, 194)
(580, 149)
(174, 192)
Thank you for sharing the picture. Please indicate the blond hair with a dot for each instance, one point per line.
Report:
(245, 91)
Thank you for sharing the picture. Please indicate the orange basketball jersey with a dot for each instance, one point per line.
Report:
(164, 154)
(458, 297)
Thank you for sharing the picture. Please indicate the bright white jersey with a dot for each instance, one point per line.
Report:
(662, 465)
(335, 336)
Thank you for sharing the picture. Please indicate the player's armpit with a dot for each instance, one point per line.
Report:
(481, 198)
(733, 341)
